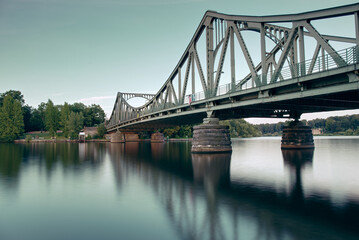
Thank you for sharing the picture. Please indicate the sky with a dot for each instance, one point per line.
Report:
(88, 50)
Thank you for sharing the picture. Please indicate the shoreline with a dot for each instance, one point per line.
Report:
(58, 140)
(93, 140)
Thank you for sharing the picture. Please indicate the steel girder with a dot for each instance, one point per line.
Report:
(285, 60)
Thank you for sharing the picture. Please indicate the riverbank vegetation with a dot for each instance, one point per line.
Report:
(342, 126)
(237, 128)
(18, 118)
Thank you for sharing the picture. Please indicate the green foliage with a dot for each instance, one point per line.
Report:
(184, 131)
(11, 119)
(271, 129)
(75, 123)
(78, 107)
(93, 115)
(51, 118)
(172, 132)
(16, 95)
(35, 123)
(27, 111)
(101, 130)
(345, 125)
(64, 119)
(241, 128)
(28, 138)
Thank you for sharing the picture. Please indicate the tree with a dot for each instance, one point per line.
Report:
(16, 95)
(78, 107)
(51, 118)
(64, 119)
(41, 108)
(27, 112)
(94, 115)
(75, 123)
(11, 119)
(330, 125)
(101, 130)
(36, 122)
(241, 128)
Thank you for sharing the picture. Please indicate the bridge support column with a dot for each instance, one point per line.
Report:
(132, 137)
(297, 136)
(211, 137)
(117, 137)
(157, 137)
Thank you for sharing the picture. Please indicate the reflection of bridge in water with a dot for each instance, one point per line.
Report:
(284, 83)
(202, 203)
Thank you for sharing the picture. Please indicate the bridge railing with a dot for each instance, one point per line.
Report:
(323, 63)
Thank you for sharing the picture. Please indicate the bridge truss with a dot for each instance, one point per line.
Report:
(282, 68)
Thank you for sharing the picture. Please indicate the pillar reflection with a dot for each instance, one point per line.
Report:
(296, 160)
(213, 171)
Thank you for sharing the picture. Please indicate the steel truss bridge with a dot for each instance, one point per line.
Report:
(285, 82)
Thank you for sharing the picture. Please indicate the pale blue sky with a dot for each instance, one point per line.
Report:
(88, 50)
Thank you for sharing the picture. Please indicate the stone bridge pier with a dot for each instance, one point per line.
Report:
(297, 135)
(211, 136)
(122, 137)
(117, 137)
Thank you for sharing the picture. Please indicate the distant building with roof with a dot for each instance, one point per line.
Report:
(317, 131)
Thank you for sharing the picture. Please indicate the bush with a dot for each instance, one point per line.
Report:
(28, 138)
(101, 130)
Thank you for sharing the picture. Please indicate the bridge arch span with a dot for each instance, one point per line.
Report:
(284, 81)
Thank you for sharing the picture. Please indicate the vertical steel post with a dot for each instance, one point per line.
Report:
(169, 100)
(301, 51)
(210, 60)
(295, 49)
(356, 15)
(323, 59)
(179, 86)
(233, 70)
(263, 55)
(356, 50)
(193, 75)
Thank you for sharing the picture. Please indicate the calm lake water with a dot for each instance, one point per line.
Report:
(162, 191)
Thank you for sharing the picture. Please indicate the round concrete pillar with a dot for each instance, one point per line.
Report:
(132, 137)
(157, 137)
(117, 137)
(211, 137)
(297, 136)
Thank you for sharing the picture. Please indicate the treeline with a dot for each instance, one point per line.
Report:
(17, 118)
(184, 131)
(237, 128)
(241, 128)
(345, 125)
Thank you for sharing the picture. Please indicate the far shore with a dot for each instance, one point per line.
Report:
(58, 140)
(91, 140)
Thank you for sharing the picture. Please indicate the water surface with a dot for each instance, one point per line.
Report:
(162, 191)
